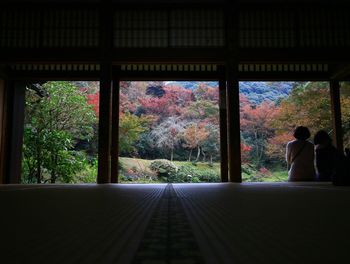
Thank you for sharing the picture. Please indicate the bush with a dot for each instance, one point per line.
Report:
(208, 176)
(165, 169)
(185, 173)
(188, 173)
(88, 172)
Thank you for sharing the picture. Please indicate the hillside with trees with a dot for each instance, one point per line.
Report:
(169, 131)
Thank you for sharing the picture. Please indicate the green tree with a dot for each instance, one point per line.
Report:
(202, 109)
(130, 129)
(211, 145)
(57, 116)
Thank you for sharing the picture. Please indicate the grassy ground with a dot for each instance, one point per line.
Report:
(251, 174)
(138, 171)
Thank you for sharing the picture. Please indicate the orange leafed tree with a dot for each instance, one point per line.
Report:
(256, 124)
(194, 135)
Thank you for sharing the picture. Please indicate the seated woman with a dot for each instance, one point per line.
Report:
(326, 156)
(300, 156)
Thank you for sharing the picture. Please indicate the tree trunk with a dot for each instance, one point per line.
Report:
(53, 172)
(257, 149)
(172, 154)
(204, 156)
(211, 160)
(198, 153)
(53, 178)
(189, 157)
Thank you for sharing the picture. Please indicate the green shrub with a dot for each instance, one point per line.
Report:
(185, 173)
(208, 176)
(188, 173)
(88, 172)
(165, 169)
(195, 180)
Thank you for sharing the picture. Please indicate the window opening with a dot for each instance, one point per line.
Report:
(269, 112)
(169, 132)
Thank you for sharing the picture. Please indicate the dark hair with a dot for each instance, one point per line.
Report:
(322, 137)
(301, 133)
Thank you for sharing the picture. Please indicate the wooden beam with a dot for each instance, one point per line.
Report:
(32, 75)
(175, 55)
(341, 72)
(104, 128)
(118, 55)
(232, 90)
(336, 115)
(115, 129)
(283, 76)
(170, 75)
(49, 55)
(2, 130)
(233, 127)
(14, 131)
(223, 127)
(294, 55)
(105, 112)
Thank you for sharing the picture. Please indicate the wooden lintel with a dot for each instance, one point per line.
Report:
(341, 72)
(175, 55)
(294, 55)
(283, 76)
(55, 75)
(170, 75)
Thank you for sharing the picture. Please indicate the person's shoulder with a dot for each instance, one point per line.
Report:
(289, 143)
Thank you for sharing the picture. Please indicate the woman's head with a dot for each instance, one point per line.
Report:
(322, 137)
(301, 133)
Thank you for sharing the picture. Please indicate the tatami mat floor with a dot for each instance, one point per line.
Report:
(179, 223)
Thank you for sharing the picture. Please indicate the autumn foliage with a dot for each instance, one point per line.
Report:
(166, 120)
(267, 126)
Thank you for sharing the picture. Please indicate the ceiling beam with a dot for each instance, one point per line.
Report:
(175, 55)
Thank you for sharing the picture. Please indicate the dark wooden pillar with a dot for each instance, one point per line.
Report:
(104, 126)
(232, 90)
(115, 128)
(233, 125)
(223, 126)
(15, 102)
(105, 111)
(2, 130)
(336, 115)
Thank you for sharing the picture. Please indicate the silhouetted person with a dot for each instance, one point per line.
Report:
(300, 156)
(331, 164)
(326, 156)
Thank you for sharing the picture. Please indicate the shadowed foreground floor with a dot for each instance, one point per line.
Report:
(179, 223)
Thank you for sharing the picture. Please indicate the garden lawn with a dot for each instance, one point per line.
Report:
(138, 171)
